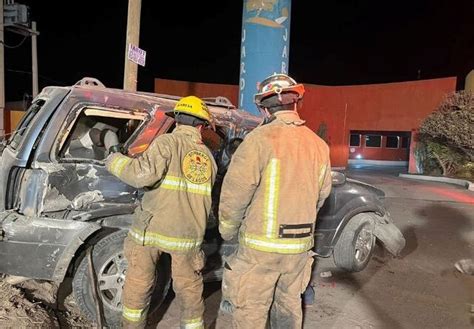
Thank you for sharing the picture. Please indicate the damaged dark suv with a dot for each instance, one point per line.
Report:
(57, 199)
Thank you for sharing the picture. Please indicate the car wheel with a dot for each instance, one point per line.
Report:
(356, 244)
(110, 267)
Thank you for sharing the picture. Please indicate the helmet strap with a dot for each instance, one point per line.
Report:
(267, 119)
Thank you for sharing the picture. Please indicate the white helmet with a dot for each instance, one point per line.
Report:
(285, 88)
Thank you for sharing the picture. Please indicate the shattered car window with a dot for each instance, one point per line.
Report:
(86, 135)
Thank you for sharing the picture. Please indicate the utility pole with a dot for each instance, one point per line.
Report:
(34, 60)
(2, 70)
(133, 37)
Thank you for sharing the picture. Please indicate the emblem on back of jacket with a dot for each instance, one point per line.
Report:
(196, 167)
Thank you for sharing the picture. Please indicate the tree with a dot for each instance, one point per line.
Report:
(448, 133)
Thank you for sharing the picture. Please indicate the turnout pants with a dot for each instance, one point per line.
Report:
(139, 283)
(258, 284)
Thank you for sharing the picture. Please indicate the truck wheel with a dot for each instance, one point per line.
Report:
(356, 244)
(110, 266)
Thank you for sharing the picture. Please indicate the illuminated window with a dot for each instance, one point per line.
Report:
(392, 142)
(373, 141)
(355, 140)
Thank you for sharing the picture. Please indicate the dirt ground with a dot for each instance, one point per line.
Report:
(33, 304)
(421, 289)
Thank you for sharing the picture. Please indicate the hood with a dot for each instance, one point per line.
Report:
(369, 188)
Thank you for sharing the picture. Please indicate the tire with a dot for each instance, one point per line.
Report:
(110, 262)
(356, 244)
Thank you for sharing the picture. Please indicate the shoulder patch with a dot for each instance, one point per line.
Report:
(197, 167)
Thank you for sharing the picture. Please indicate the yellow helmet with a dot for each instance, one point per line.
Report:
(194, 106)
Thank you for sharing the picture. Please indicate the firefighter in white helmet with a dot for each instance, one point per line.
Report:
(277, 181)
(177, 172)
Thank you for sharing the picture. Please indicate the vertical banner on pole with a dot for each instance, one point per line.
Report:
(265, 45)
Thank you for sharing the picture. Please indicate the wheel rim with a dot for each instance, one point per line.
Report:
(111, 278)
(364, 245)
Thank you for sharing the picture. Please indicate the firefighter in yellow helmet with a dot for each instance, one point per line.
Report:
(177, 172)
(277, 180)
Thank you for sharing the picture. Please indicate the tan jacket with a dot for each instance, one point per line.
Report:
(277, 179)
(177, 172)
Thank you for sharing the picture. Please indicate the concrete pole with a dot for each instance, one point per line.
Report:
(34, 60)
(2, 71)
(133, 37)
(265, 46)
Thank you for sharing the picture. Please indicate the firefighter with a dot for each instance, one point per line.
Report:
(177, 172)
(277, 180)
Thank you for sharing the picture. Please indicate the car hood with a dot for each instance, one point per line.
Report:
(370, 189)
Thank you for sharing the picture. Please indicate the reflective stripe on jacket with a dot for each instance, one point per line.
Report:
(273, 185)
(177, 172)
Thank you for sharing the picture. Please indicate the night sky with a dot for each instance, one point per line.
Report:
(332, 42)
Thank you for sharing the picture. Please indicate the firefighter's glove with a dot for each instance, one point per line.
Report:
(116, 149)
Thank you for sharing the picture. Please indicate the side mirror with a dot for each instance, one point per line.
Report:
(338, 178)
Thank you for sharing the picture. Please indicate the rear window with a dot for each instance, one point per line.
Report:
(17, 136)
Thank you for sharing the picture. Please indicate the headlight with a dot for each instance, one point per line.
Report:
(338, 178)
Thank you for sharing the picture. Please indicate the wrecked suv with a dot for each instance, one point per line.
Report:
(57, 199)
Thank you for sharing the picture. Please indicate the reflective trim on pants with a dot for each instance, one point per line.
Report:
(272, 196)
(181, 184)
(197, 323)
(134, 315)
(165, 242)
(281, 246)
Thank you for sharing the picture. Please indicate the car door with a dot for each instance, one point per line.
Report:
(68, 175)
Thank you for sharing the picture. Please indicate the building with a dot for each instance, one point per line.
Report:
(362, 124)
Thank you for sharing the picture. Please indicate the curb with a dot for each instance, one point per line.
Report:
(461, 182)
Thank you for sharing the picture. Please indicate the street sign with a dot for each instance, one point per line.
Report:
(136, 55)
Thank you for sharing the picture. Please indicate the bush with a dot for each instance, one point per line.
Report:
(447, 137)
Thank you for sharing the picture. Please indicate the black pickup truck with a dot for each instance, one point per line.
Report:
(57, 199)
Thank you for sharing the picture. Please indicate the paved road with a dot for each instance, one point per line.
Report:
(421, 289)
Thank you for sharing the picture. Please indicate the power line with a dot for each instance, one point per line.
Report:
(16, 46)
(41, 76)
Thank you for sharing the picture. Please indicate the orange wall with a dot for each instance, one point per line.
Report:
(384, 107)
(12, 115)
(185, 88)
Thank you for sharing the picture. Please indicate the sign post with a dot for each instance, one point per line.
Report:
(136, 55)
(130, 73)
